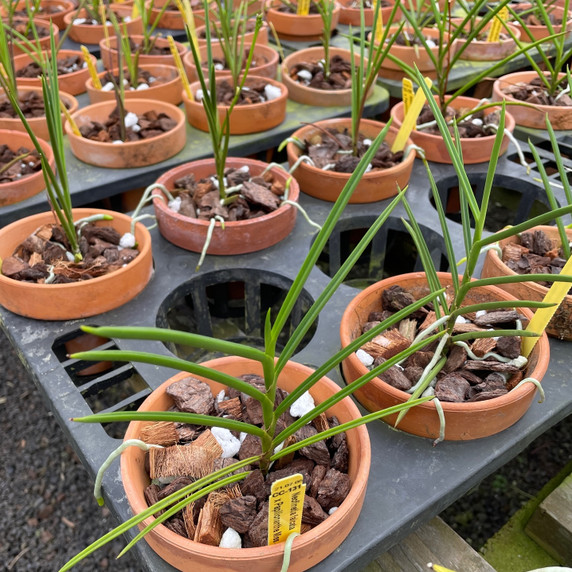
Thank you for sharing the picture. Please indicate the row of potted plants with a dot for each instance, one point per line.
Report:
(421, 318)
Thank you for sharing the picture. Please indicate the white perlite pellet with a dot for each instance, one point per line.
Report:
(365, 358)
(229, 443)
(230, 539)
(304, 404)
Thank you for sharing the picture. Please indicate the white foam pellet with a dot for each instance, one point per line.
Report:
(242, 437)
(368, 168)
(107, 87)
(333, 510)
(79, 21)
(461, 320)
(244, 169)
(117, 142)
(175, 204)
(136, 128)
(431, 43)
(127, 240)
(229, 443)
(219, 67)
(480, 313)
(367, 142)
(230, 539)
(477, 121)
(199, 95)
(221, 396)
(131, 119)
(304, 404)
(142, 86)
(305, 75)
(272, 92)
(364, 357)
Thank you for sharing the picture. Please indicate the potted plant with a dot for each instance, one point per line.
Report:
(63, 277)
(276, 373)
(335, 146)
(350, 11)
(541, 246)
(29, 98)
(46, 10)
(452, 417)
(537, 22)
(250, 103)
(546, 86)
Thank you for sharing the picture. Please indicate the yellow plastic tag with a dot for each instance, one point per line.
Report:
(303, 7)
(72, 123)
(184, 7)
(410, 119)
(135, 11)
(407, 94)
(285, 510)
(379, 25)
(91, 68)
(438, 568)
(180, 68)
(496, 25)
(556, 293)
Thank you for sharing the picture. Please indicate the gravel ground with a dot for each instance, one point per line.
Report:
(49, 514)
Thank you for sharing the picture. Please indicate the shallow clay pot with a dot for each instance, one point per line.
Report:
(464, 421)
(298, 28)
(561, 324)
(481, 50)
(72, 83)
(108, 49)
(43, 43)
(93, 34)
(168, 91)
(238, 237)
(248, 37)
(475, 150)
(327, 185)
(31, 185)
(539, 32)
(560, 116)
(39, 124)
(64, 7)
(244, 119)
(310, 95)
(173, 19)
(307, 549)
(133, 153)
(415, 55)
(352, 16)
(267, 56)
(80, 299)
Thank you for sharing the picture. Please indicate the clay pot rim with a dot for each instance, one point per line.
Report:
(118, 8)
(515, 29)
(264, 48)
(293, 193)
(139, 229)
(510, 122)
(512, 396)
(527, 74)
(105, 44)
(176, 114)
(303, 541)
(294, 149)
(333, 50)
(74, 105)
(272, 9)
(555, 9)
(502, 266)
(157, 67)
(60, 52)
(252, 106)
(9, 137)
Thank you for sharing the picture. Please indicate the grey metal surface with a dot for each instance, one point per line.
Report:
(410, 481)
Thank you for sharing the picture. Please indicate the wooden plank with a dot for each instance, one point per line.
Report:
(551, 524)
(434, 542)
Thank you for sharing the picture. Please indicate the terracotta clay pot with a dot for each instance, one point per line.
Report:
(481, 50)
(72, 83)
(561, 324)
(93, 34)
(298, 28)
(244, 119)
(310, 95)
(168, 90)
(31, 185)
(415, 55)
(464, 421)
(49, 11)
(475, 150)
(327, 185)
(133, 153)
(39, 124)
(265, 62)
(43, 43)
(238, 237)
(307, 549)
(108, 49)
(79, 299)
(560, 117)
(173, 19)
(539, 32)
(248, 37)
(350, 13)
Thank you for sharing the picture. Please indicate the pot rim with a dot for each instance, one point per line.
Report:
(174, 75)
(542, 347)
(104, 44)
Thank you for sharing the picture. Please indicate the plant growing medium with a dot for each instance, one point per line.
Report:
(449, 307)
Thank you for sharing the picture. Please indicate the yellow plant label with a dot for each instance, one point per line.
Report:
(70, 119)
(285, 510)
(496, 25)
(556, 293)
(135, 11)
(179, 65)
(407, 94)
(184, 7)
(379, 25)
(91, 68)
(410, 119)
(438, 568)
(303, 7)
